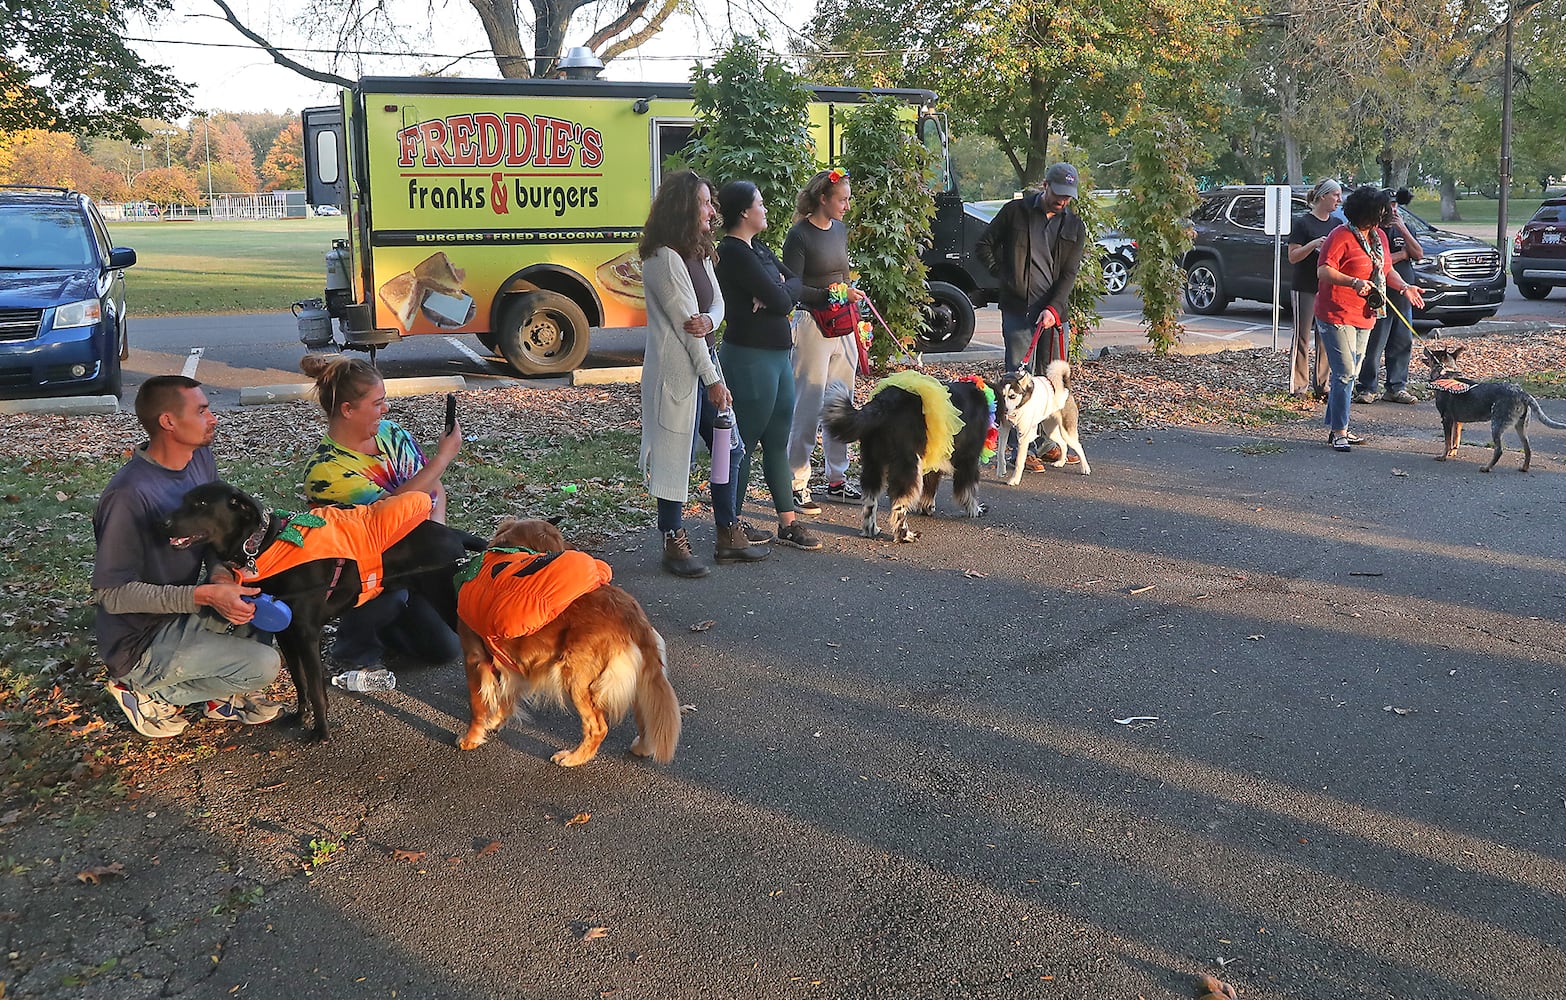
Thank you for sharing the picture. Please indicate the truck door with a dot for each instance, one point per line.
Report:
(326, 160)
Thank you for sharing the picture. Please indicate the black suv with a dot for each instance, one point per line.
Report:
(1461, 277)
(62, 295)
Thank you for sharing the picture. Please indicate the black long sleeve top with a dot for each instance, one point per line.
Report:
(748, 274)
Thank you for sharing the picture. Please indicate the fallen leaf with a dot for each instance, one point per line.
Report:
(11, 817)
(412, 857)
(1136, 718)
(97, 873)
(489, 848)
(1142, 590)
(974, 574)
(703, 626)
(594, 933)
(1397, 711)
(60, 496)
(578, 819)
(62, 721)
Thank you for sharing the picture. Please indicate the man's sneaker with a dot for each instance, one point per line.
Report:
(1400, 396)
(844, 492)
(755, 535)
(150, 717)
(796, 535)
(1033, 463)
(250, 711)
(803, 504)
(1364, 396)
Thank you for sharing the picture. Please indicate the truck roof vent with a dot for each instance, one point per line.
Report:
(579, 63)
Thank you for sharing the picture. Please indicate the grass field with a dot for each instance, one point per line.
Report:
(224, 267)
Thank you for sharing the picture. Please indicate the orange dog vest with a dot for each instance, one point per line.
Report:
(362, 534)
(511, 592)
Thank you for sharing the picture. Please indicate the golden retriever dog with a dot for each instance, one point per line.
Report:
(598, 649)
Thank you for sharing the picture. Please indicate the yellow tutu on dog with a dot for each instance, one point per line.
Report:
(942, 420)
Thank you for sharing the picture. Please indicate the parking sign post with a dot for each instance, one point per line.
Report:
(1276, 224)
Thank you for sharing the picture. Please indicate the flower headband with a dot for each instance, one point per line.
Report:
(836, 175)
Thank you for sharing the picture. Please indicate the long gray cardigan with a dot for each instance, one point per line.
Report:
(674, 369)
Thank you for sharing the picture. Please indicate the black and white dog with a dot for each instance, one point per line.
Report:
(906, 449)
(1037, 406)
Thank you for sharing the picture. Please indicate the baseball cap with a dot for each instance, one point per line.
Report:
(1062, 179)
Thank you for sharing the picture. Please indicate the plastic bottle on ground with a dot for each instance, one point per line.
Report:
(365, 680)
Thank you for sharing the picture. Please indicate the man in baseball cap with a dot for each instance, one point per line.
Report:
(1034, 247)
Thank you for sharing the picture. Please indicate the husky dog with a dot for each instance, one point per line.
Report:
(1036, 406)
(1461, 400)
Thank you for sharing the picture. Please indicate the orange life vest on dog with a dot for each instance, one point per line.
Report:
(510, 592)
(362, 534)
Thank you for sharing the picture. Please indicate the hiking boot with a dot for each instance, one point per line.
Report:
(794, 534)
(150, 717)
(1364, 396)
(844, 492)
(239, 708)
(803, 504)
(733, 546)
(677, 558)
(755, 535)
(1400, 396)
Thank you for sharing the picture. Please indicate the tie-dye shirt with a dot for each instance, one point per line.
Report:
(343, 476)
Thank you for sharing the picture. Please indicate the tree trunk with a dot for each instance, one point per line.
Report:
(501, 28)
(1038, 130)
(1449, 200)
(1288, 108)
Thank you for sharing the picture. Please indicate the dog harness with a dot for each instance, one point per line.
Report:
(361, 534)
(942, 420)
(1451, 384)
(506, 592)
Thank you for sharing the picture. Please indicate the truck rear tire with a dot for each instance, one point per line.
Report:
(950, 319)
(543, 333)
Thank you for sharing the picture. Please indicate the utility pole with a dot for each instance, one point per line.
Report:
(206, 138)
(1506, 137)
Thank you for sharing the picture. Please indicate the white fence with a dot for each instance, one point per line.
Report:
(224, 205)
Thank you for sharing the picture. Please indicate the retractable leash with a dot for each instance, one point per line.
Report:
(877, 314)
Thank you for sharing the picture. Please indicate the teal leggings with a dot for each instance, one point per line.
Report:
(762, 383)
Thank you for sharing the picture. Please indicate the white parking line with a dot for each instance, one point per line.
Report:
(189, 371)
(471, 353)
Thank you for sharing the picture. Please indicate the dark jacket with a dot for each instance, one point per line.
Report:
(1036, 257)
(750, 274)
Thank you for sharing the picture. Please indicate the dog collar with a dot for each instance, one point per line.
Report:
(252, 546)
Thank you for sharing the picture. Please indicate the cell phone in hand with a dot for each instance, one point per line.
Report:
(451, 412)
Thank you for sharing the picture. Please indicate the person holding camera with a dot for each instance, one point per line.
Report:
(1353, 279)
(1393, 338)
(1306, 238)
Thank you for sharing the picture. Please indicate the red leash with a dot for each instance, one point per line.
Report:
(1038, 329)
(877, 314)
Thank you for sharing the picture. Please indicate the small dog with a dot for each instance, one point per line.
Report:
(324, 575)
(599, 650)
(1035, 406)
(908, 435)
(1461, 400)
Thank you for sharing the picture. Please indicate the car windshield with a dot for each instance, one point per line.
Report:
(1415, 224)
(36, 237)
(1550, 213)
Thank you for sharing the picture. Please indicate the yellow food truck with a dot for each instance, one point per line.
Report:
(510, 209)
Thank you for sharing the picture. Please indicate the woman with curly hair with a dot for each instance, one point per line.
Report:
(681, 380)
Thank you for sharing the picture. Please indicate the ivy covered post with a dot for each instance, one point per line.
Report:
(753, 124)
(889, 217)
(1089, 290)
(1155, 210)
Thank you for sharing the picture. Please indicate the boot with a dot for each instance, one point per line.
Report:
(733, 546)
(677, 558)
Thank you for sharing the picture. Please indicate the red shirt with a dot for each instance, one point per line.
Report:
(1341, 304)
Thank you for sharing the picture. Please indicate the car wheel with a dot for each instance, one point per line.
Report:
(491, 341)
(1204, 288)
(1529, 290)
(950, 319)
(543, 333)
(112, 381)
(1117, 274)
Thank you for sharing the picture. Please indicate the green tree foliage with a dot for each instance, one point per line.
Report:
(889, 216)
(1088, 291)
(752, 123)
(65, 67)
(1161, 196)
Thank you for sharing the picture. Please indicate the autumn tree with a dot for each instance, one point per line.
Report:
(220, 139)
(34, 156)
(65, 66)
(167, 186)
(284, 166)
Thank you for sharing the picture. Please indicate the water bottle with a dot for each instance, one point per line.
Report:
(722, 441)
(365, 680)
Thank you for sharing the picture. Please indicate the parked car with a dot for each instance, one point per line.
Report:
(328, 210)
(1539, 251)
(62, 295)
(1232, 258)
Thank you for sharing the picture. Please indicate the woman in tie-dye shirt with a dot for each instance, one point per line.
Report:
(362, 458)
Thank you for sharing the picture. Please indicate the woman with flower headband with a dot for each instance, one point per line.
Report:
(816, 249)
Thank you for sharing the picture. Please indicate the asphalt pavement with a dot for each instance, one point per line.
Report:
(1234, 704)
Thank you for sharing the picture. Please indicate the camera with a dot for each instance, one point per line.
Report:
(1373, 297)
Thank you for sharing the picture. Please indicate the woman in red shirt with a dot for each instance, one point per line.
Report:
(1353, 274)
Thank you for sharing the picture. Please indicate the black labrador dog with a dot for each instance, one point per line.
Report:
(240, 531)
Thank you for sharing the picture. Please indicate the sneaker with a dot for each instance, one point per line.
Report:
(844, 492)
(803, 504)
(250, 711)
(1033, 463)
(150, 717)
(1364, 396)
(1400, 396)
(1340, 442)
(755, 535)
(795, 535)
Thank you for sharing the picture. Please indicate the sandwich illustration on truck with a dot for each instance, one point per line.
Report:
(510, 209)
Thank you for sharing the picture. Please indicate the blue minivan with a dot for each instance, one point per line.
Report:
(62, 295)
